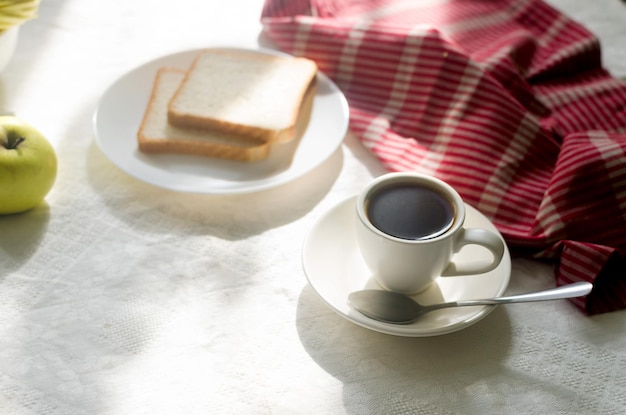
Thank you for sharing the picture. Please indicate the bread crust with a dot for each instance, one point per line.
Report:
(203, 143)
(190, 118)
(262, 135)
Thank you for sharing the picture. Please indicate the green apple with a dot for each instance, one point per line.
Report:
(28, 166)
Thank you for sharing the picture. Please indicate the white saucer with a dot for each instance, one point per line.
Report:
(121, 109)
(333, 266)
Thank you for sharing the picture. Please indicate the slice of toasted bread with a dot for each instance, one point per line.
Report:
(155, 135)
(250, 93)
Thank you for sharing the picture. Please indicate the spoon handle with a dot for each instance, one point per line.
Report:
(567, 291)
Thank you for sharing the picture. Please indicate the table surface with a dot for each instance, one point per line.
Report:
(117, 296)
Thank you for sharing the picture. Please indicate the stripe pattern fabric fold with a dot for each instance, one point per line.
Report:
(506, 100)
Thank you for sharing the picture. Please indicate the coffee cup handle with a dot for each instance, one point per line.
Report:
(473, 236)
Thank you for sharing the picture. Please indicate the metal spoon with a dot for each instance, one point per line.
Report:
(396, 308)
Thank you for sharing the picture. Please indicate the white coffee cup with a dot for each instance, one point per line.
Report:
(409, 226)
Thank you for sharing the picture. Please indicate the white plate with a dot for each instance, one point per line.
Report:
(121, 109)
(334, 268)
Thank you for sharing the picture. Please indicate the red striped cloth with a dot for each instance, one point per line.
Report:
(506, 100)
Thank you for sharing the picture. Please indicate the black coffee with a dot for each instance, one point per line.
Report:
(410, 211)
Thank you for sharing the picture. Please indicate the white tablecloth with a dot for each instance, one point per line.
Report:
(118, 297)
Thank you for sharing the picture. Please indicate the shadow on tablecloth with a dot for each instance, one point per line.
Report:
(232, 217)
(380, 372)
